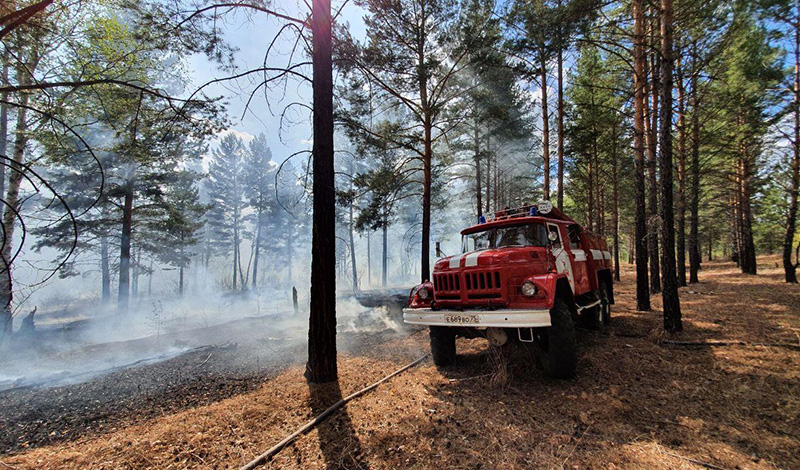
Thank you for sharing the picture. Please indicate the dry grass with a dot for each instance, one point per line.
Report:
(635, 404)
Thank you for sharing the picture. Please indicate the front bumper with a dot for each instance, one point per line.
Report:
(506, 318)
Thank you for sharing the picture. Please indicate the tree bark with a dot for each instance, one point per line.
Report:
(681, 225)
(477, 158)
(748, 249)
(385, 255)
(321, 366)
(694, 218)
(652, 158)
(560, 77)
(257, 246)
(615, 182)
(545, 129)
(11, 208)
(104, 269)
(4, 124)
(789, 267)
(354, 270)
(639, 79)
(427, 157)
(235, 255)
(669, 295)
(488, 181)
(123, 290)
(369, 258)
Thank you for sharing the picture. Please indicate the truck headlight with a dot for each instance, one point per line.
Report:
(424, 293)
(528, 289)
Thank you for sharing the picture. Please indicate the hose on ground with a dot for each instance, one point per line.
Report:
(266, 456)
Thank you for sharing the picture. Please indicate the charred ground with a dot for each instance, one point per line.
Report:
(637, 402)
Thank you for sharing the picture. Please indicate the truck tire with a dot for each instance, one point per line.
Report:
(556, 345)
(591, 318)
(605, 305)
(443, 345)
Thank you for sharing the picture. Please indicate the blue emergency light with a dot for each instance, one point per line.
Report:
(481, 219)
(534, 211)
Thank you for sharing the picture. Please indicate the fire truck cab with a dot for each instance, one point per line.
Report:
(522, 277)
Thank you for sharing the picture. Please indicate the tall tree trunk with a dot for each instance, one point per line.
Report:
(4, 123)
(235, 256)
(710, 240)
(385, 255)
(681, 228)
(560, 89)
(488, 181)
(11, 208)
(257, 247)
(369, 258)
(477, 158)
(639, 80)
(694, 206)
(242, 280)
(427, 157)
(789, 268)
(124, 289)
(354, 271)
(748, 253)
(545, 128)
(615, 182)
(652, 159)
(105, 272)
(671, 301)
(135, 270)
(321, 366)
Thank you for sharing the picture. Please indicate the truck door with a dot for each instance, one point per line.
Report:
(580, 263)
(563, 264)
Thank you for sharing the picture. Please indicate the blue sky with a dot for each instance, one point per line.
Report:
(251, 34)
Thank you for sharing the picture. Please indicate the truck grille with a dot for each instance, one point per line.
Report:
(483, 284)
(477, 284)
(447, 286)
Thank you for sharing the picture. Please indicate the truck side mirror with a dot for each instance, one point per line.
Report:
(552, 236)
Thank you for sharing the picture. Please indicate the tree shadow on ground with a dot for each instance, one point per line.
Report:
(338, 442)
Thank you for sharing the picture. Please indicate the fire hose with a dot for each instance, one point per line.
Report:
(266, 456)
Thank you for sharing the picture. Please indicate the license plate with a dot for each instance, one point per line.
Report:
(461, 319)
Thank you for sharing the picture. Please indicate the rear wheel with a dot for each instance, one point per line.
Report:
(591, 318)
(556, 345)
(605, 305)
(443, 345)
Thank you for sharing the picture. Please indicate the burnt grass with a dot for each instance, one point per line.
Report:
(34, 416)
(731, 400)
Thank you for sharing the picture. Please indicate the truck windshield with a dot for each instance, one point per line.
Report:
(515, 235)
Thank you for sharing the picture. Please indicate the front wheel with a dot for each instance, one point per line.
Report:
(556, 345)
(443, 345)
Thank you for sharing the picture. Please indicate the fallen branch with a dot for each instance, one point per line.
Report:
(263, 458)
(795, 347)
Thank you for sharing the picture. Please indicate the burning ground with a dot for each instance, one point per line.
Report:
(638, 402)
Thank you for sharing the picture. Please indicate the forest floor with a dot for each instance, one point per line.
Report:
(637, 401)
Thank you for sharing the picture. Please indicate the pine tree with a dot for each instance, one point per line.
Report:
(179, 231)
(410, 63)
(259, 170)
(226, 192)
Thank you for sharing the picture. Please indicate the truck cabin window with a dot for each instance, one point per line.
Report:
(515, 235)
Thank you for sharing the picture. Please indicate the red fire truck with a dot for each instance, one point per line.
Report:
(522, 277)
